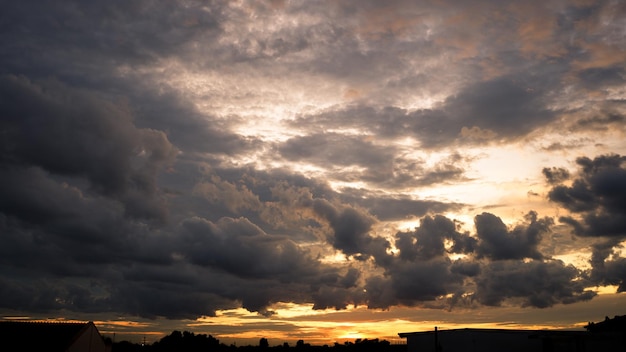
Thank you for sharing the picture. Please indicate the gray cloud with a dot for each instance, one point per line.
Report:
(128, 184)
(538, 284)
(80, 135)
(419, 281)
(602, 121)
(243, 249)
(601, 77)
(428, 240)
(597, 194)
(496, 241)
(341, 150)
(350, 227)
(100, 36)
(555, 174)
(506, 107)
(388, 208)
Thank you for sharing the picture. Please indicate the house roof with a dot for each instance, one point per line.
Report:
(48, 336)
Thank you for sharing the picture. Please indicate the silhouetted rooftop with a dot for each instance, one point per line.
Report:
(43, 336)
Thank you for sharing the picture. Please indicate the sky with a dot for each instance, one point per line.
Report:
(317, 170)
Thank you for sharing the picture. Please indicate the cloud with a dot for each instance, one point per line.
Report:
(428, 240)
(602, 77)
(603, 121)
(71, 133)
(387, 208)
(508, 107)
(155, 158)
(340, 150)
(232, 196)
(608, 268)
(243, 249)
(597, 194)
(419, 281)
(105, 34)
(350, 227)
(536, 283)
(555, 175)
(496, 241)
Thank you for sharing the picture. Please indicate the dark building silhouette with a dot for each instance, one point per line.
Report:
(487, 340)
(617, 324)
(51, 337)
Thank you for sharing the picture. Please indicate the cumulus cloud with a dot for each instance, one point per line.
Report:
(536, 283)
(242, 248)
(504, 107)
(175, 159)
(70, 133)
(555, 174)
(596, 194)
(341, 150)
(496, 241)
(428, 240)
(350, 227)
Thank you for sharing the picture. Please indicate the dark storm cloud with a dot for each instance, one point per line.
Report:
(243, 249)
(124, 189)
(596, 199)
(536, 283)
(159, 300)
(249, 188)
(66, 132)
(44, 296)
(351, 227)
(190, 130)
(103, 47)
(608, 268)
(601, 122)
(97, 38)
(335, 149)
(387, 208)
(602, 77)
(45, 221)
(380, 163)
(597, 195)
(496, 241)
(422, 272)
(428, 240)
(507, 107)
(419, 281)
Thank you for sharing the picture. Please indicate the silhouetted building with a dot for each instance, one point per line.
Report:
(617, 324)
(51, 337)
(487, 340)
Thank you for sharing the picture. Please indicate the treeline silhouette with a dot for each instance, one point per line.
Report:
(189, 342)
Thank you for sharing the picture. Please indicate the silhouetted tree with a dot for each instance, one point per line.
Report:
(263, 343)
(187, 342)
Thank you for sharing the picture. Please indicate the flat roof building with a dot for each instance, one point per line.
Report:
(487, 340)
